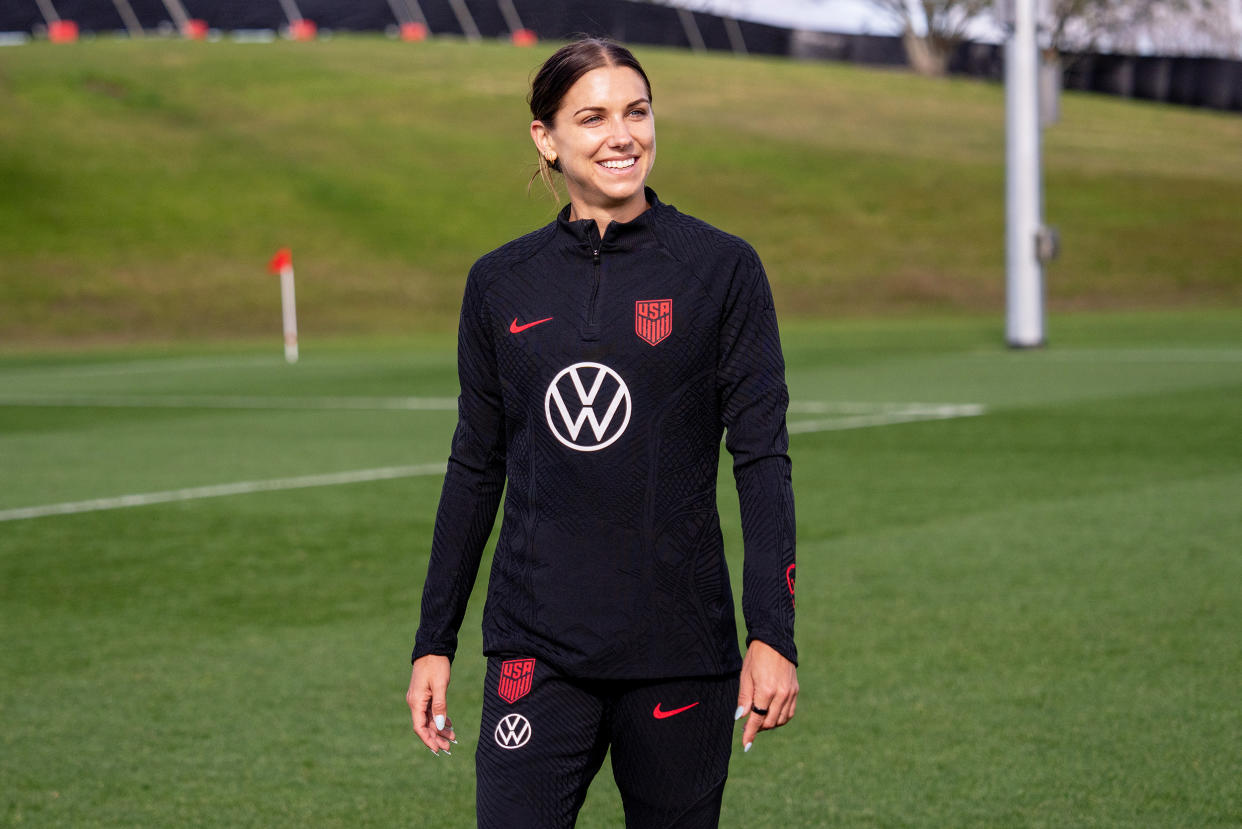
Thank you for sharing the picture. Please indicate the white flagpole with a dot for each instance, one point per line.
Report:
(282, 263)
(288, 310)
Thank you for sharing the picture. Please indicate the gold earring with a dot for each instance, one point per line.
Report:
(551, 158)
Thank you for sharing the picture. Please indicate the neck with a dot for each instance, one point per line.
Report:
(602, 215)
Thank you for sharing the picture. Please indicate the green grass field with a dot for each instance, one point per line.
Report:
(143, 186)
(1019, 571)
(1025, 617)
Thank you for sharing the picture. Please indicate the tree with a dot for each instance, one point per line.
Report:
(931, 30)
(1164, 27)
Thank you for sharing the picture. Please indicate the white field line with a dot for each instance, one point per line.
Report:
(850, 415)
(852, 407)
(439, 404)
(896, 414)
(218, 490)
(199, 401)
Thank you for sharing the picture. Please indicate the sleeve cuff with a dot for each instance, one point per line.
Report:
(784, 645)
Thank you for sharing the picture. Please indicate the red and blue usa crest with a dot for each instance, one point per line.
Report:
(515, 678)
(653, 319)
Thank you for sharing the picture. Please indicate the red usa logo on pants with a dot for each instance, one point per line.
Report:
(515, 678)
(653, 319)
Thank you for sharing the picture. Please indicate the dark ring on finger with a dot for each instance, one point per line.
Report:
(763, 712)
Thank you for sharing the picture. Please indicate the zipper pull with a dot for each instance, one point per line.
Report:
(595, 256)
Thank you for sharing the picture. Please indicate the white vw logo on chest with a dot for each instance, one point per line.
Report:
(513, 731)
(603, 404)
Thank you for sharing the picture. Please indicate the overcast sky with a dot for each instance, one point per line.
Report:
(862, 17)
(850, 16)
(856, 16)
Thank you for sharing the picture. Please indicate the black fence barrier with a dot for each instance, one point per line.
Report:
(1215, 83)
(1203, 82)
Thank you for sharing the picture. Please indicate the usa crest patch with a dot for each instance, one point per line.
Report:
(515, 678)
(653, 319)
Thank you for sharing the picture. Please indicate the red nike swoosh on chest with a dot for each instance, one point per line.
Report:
(514, 328)
(660, 715)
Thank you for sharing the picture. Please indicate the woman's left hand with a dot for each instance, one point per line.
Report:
(769, 683)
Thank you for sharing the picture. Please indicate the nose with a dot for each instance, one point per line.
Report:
(619, 136)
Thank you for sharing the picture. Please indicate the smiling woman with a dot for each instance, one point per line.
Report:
(600, 359)
(594, 124)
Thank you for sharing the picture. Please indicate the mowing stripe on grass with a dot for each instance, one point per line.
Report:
(149, 366)
(889, 414)
(238, 488)
(438, 404)
(1127, 355)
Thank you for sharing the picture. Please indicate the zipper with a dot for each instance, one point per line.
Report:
(592, 325)
(594, 289)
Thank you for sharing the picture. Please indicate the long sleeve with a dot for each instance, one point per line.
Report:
(753, 401)
(473, 482)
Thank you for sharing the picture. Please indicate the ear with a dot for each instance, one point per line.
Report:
(542, 136)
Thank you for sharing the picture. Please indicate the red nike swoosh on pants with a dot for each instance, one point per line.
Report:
(514, 328)
(660, 715)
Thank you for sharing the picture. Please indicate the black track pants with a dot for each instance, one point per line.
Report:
(543, 737)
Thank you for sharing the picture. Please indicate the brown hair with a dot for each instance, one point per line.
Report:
(562, 71)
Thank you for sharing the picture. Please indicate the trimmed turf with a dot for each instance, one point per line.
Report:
(1025, 618)
(143, 185)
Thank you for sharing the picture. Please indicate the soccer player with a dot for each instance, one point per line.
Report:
(601, 358)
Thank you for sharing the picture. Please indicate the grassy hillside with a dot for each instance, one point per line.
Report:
(144, 185)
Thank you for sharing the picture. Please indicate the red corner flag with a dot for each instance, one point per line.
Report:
(283, 259)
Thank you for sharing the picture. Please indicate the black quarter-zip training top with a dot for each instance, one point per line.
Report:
(597, 378)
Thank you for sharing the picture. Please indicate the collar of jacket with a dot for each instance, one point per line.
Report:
(618, 236)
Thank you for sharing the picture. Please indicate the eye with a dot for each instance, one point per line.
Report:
(639, 112)
(591, 119)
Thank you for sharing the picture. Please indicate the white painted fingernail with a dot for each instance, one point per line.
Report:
(747, 748)
(433, 751)
(737, 715)
(446, 751)
(454, 742)
(439, 722)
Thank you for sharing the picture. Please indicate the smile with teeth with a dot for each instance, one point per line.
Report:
(619, 164)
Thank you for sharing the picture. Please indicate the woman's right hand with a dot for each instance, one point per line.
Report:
(428, 688)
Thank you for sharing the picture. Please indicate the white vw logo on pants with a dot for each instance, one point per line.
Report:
(513, 731)
(570, 425)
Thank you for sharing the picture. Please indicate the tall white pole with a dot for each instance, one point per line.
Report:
(1024, 273)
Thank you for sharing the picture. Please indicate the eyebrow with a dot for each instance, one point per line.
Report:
(604, 109)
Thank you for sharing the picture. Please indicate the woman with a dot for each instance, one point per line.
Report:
(601, 358)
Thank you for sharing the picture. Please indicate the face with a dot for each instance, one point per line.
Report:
(604, 137)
